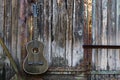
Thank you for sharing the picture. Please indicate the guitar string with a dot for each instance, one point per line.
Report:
(35, 31)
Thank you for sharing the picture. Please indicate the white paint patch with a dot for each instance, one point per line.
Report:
(57, 51)
(7, 61)
(77, 55)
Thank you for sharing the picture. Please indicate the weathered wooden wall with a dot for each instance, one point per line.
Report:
(105, 30)
(64, 26)
(60, 24)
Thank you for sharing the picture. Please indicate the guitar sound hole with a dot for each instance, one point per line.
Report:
(35, 50)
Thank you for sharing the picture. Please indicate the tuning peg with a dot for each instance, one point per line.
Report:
(37, 11)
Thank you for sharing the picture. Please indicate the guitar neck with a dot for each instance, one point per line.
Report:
(35, 21)
(35, 29)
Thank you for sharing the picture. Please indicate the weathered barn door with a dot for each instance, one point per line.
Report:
(105, 33)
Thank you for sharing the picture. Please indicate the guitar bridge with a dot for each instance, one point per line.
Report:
(35, 63)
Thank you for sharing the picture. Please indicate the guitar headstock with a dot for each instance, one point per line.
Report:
(34, 9)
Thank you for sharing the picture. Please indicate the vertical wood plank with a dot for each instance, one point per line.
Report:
(87, 35)
(93, 33)
(2, 14)
(89, 24)
(68, 40)
(14, 26)
(18, 34)
(2, 23)
(7, 27)
(78, 24)
(98, 30)
(50, 32)
(62, 31)
(104, 60)
(2, 56)
(85, 39)
(111, 34)
(55, 50)
(69, 33)
(117, 34)
(47, 29)
(94, 28)
(7, 36)
(23, 30)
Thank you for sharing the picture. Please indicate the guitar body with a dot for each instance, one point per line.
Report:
(35, 62)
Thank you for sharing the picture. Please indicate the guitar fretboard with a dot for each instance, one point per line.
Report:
(35, 21)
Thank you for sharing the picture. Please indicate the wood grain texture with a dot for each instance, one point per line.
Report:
(117, 34)
(2, 56)
(104, 26)
(64, 26)
(69, 33)
(7, 29)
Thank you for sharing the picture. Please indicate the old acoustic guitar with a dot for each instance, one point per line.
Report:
(35, 62)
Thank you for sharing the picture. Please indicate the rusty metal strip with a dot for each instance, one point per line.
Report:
(101, 46)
